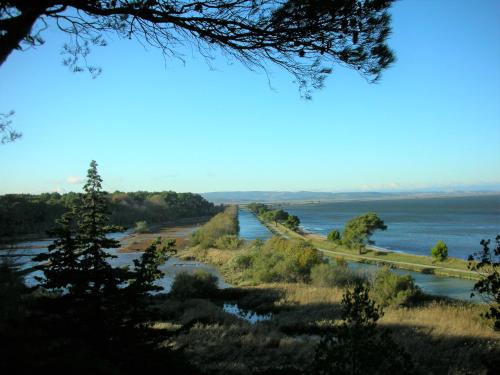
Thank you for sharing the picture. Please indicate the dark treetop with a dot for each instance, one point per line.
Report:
(306, 37)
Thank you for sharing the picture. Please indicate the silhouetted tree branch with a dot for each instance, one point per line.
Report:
(305, 37)
(486, 263)
(7, 134)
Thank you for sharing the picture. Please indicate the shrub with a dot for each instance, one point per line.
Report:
(486, 263)
(356, 346)
(328, 275)
(228, 242)
(243, 261)
(440, 251)
(334, 236)
(141, 227)
(222, 224)
(197, 284)
(280, 259)
(392, 289)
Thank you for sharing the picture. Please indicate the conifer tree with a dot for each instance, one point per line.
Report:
(99, 277)
(355, 347)
(77, 263)
(60, 264)
(144, 275)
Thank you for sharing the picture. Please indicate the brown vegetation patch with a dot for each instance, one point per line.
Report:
(140, 242)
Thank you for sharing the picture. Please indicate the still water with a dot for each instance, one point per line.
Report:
(251, 228)
(23, 253)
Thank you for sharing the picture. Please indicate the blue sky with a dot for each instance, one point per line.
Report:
(433, 122)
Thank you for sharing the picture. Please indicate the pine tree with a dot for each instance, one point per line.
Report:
(60, 264)
(77, 263)
(100, 279)
(144, 275)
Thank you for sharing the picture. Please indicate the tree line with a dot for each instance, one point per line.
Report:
(22, 214)
(86, 315)
(265, 212)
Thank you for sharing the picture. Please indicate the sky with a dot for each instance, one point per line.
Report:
(431, 123)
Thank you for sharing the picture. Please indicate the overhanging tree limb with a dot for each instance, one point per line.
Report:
(306, 37)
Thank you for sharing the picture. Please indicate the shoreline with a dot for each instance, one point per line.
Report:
(451, 267)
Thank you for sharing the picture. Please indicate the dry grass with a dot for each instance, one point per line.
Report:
(444, 318)
(305, 294)
(141, 241)
(242, 349)
(445, 337)
(212, 256)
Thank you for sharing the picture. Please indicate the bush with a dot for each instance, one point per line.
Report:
(243, 261)
(228, 242)
(141, 227)
(279, 260)
(440, 251)
(198, 284)
(222, 224)
(486, 263)
(334, 236)
(392, 289)
(328, 275)
(356, 346)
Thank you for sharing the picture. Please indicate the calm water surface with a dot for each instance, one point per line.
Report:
(251, 228)
(170, 268)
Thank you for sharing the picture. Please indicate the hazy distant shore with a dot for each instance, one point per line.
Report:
(306, 197)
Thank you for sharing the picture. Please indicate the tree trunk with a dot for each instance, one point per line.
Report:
(15, 29)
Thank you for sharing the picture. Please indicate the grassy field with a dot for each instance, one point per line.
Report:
(450, 267)
(460, 339)
(217, 342)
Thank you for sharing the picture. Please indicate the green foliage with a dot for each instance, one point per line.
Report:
(77, 262)
(292, 222)
(440, 251)
(228, 242)
(141, 227)
(392, 289)
(358, 230)
(26, 214)
(279, 260)
(277, 216)
(355, 347)
(280, 215)
(198, 284)
(258, 208)
(487, 264)
(328, 275)
(222, 224)
(334, 236)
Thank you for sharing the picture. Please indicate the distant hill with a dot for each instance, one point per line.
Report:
(243, 197)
